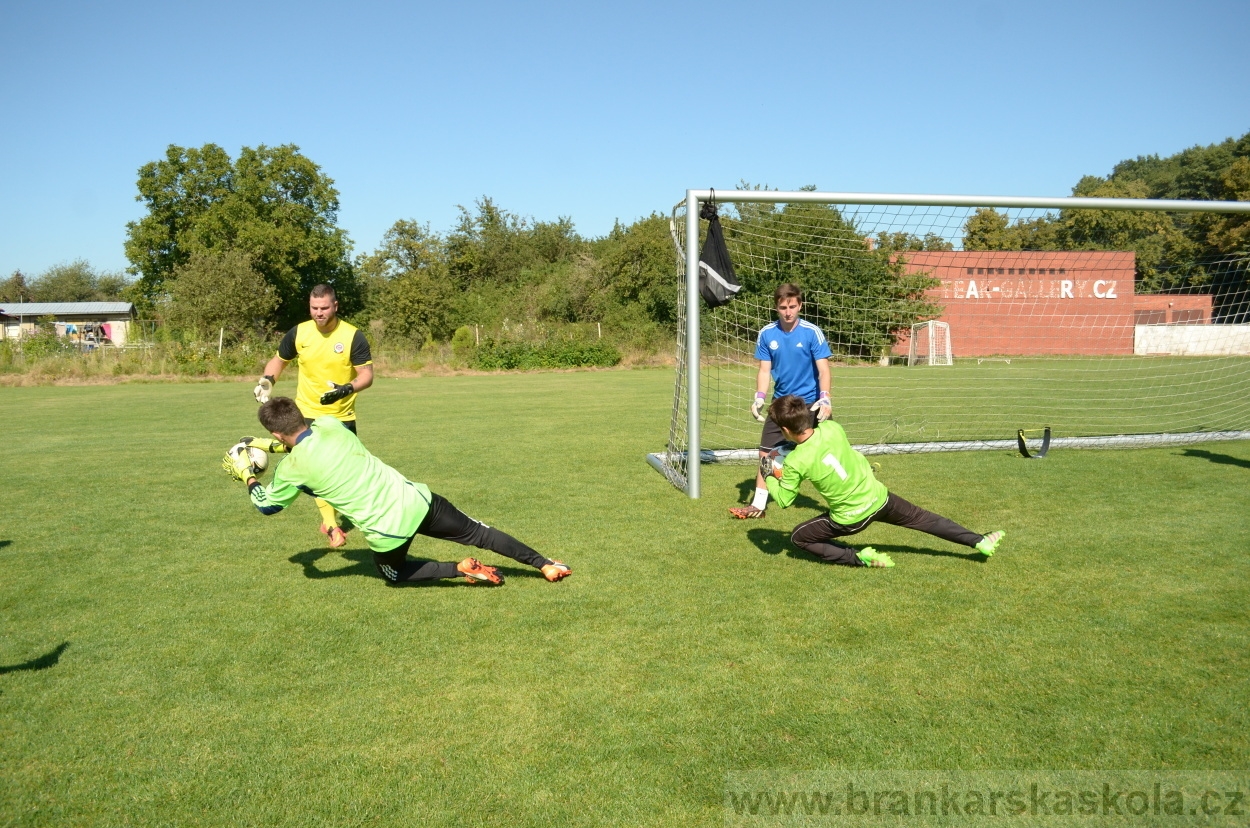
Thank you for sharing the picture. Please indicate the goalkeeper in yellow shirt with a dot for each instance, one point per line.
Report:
(335, 365)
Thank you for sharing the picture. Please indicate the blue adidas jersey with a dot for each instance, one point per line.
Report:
(793, 356)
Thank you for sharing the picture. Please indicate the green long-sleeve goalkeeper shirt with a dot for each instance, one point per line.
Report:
(841, 475)
(330, 462)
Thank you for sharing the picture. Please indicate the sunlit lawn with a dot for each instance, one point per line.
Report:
(170, 657)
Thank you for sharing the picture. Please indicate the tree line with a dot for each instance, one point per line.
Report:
(237, 243)
(1174, 250)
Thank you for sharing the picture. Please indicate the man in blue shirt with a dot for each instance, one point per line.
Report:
(795, 356)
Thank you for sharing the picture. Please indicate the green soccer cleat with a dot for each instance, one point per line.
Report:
(989, 544)
(871, 557)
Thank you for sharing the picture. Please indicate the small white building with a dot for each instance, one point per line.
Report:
(86, 323)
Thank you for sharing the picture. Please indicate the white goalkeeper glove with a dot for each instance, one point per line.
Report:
(263, 389)
(757, 407)
(822, 407)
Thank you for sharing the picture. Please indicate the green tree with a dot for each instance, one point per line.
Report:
(494, 246)
(15, 289)
(218, 289)
(1230, 232)
(1173, 249)
(77, 281)
(272, 204)
(814, 246)
(407, 283)
(638, 267)
(899, 242)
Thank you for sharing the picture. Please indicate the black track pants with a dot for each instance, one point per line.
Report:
(445, 522)
(814, 535)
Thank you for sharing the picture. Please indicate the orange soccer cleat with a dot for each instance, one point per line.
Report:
(474, 571)
(747, 512)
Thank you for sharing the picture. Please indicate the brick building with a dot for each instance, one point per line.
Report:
(1042, 302)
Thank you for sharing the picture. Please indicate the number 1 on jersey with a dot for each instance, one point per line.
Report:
(832, 462)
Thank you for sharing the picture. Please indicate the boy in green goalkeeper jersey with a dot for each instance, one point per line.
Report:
(327, 460)
(855, 497)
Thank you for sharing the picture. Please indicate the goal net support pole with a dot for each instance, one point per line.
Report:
(680, 463)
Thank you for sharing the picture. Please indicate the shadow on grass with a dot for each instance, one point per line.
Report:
(4, 543)
(769, 541)
(775, 541)
(1222, 459)
(43, 662)
(362, 564)
(972, 556)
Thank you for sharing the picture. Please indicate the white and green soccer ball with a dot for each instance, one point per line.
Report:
(259, 457)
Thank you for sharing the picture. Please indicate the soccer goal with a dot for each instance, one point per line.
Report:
(930, 344)
(1114, 322)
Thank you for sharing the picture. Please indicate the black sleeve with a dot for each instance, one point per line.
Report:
(286, 348)
(360, 349)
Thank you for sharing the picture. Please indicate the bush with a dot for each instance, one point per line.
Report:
(492, 355)
(463, 343)
(45, 343)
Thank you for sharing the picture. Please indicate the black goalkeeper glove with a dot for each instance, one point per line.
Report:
(337, 393)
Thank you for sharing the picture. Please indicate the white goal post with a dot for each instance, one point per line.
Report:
(1107, 347)
(930, 344)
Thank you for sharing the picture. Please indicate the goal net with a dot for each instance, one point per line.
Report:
(1111, 321)
(930, 344)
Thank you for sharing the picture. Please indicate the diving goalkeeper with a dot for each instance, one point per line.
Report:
(855, 497)
(327, 460)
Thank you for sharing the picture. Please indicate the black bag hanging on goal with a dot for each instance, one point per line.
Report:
(717, 282)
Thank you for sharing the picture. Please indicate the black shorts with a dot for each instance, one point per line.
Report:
(772, 436)
(350, 425)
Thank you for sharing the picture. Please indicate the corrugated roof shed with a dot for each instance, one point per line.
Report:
(64, 308)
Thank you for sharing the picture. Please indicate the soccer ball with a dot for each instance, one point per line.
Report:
(258, 457)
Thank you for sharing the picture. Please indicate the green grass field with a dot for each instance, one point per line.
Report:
(170, 657)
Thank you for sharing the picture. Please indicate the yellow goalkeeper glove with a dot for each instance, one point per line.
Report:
(238, 463)
(264, 444)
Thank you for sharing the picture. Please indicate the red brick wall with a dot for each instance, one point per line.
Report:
(1159, 309)
(1022, 303)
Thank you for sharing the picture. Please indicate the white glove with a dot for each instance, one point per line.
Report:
(822, 407)
(263, 389)
(757, 407)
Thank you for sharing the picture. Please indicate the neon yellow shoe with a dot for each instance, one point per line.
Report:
(871, 557)
(989, 544)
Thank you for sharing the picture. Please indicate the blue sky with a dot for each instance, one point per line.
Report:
(595, 111)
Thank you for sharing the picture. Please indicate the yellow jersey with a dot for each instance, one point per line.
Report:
(323, 359)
